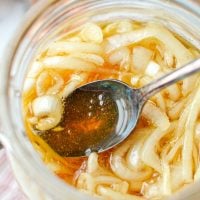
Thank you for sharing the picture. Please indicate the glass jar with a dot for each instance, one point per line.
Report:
(44, 22)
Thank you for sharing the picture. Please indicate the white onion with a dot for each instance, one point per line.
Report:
(73, 83)
(160, 101)
(144, 80)
(30, 79)
(173, 45)
(125, 168)
(28, 84)
(92, 164)
(121, 187)
(175, 109)
(152, 68)
(110, 194)
(122, 26)
(57, 48)
(149, 152)
(156, 116)
(140, 58)
(74, 39)
(35, 69)
(91, 33)
(188, 143)
(54, 89)
(122, 58)
(92, 58)
(173, 92)
(135, 80)
(153, 190)
(68, 62)
(197, 130)
(48, 109)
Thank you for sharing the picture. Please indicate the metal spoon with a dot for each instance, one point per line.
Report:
(129, 103)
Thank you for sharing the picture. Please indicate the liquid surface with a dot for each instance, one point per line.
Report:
(89, 117)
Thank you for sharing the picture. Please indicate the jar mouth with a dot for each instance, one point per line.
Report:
(47, 21)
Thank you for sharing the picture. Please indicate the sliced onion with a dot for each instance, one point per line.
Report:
(35, 69)
(197, 131)
(110, 194)
(28, 84)
(73, 83)
(121, 187)
(69, 63)
(30, 80)
(57, 48)
(86, 182)
(176, 176)
(188, 84)
(160, 101)
(135, 186)
(122, 58)
(140, 58)
(174, 49)
(173, 92)
(189, 131)
(173, 45)
(48, 109)
(152, 68)
(175, 110)
(74, 39)
(92, 164)
(122, 26)
(155, 116)
(149, 153)
(92, 58)
(145, 80)
(166, 179)
(91, 33)
(54, 89)
(106, 180)
(135, 80)
(197, 175)
(131, 168)
(167, 56)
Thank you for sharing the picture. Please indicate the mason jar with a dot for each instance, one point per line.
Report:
(45, 21)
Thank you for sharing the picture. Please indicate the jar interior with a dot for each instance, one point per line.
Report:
(63, 17)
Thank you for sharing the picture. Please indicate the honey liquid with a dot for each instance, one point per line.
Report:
(89, 117)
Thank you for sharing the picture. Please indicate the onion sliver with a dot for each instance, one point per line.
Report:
(68, 62)
(57, 48)
(182, 54)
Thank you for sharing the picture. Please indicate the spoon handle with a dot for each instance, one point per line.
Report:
(178, 74)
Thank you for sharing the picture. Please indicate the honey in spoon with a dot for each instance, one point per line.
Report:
(88, 119)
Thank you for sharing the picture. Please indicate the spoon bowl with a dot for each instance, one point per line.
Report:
(128, 104)
(115, 104)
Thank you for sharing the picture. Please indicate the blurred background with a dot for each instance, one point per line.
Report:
(11, 13)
